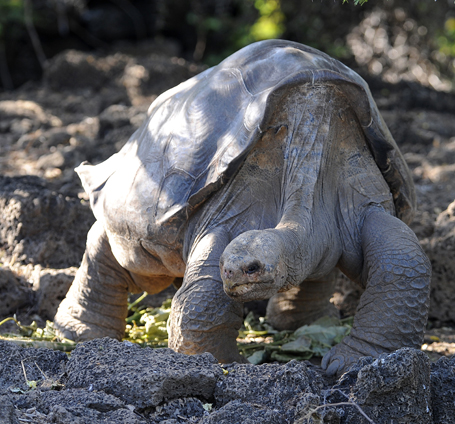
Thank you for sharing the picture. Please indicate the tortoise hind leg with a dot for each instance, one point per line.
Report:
(393, 310)
(96, 303)
(302, 305)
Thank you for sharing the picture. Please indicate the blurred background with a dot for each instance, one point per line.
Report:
(411, 40)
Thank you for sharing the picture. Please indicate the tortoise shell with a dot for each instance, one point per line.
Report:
(197, 134)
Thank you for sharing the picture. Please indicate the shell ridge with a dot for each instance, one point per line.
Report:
(239, 74)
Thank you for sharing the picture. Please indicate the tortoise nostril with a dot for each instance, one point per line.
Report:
(228, 273)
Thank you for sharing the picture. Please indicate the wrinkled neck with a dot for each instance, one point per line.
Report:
(295, 249)
(310, 115)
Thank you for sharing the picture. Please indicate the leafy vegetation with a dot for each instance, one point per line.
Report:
(356, 2)
(270, 23)
(11, 12)
(446, 38)
(257, 341)
(148, 326)
(260, 342)
(33, 336)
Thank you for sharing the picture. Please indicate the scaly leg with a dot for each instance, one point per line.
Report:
(393, 310)
(96, 303)
(203, 317)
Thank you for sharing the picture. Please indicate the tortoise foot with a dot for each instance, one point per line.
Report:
(69, 324)
(348, 352)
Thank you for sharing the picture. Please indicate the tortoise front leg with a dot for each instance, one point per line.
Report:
(393, 310)
(203, 318)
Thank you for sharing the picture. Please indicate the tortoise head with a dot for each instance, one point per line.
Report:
(253, 267)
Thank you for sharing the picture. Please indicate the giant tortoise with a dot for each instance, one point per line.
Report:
(255, 179)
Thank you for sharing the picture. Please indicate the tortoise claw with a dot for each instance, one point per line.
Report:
(338, 360)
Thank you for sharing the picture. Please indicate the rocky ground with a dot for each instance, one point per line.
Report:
(106, 381)
(85, 108)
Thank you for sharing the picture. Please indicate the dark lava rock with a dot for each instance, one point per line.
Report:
(268, 390)
(394, 388)
(14, 292)
(20, 365)
(74, 406)
(443, 390)
(143, 377)
(190, 410)
(7, 415)
(106, 381)
(440, 248)
(40, 226)
(237, 411)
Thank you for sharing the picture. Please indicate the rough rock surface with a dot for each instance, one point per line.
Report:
(46, 230)
(443, 390)
(18, 366)
(392, 388)
(50, 287)
(268, 390)
(14, 291)
(160, 374)
(40, 226)
(108, 381)
(440, 248)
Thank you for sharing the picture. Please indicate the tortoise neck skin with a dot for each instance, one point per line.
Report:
(258, 264)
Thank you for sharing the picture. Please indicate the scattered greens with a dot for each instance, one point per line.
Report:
(33, 336)
(148, 326)
(258, 340)
(304, 343)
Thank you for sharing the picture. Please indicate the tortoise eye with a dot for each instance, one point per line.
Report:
(254, 267)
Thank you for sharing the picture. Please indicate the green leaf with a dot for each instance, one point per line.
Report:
(31, 384)
(324, 335)
(302, 344)
(327, 322)
(281, 335)
(258, 357)
(16, 390)
(286, 357)
(252, 323)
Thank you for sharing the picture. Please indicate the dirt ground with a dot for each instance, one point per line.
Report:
(85, 108)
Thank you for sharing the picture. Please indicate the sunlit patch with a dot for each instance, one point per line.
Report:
(392, 47)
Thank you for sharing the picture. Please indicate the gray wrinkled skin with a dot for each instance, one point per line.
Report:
(255, 180)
